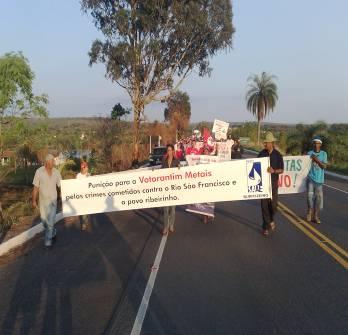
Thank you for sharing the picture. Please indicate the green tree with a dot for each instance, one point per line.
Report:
(178, 112)
(261, 97)
(299, 140)
(151, 46)
(118, 112)
(26, 156)
(108, 132)
(16, 93)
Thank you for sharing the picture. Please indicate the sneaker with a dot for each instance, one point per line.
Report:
(272, 225)
(48, 243)
(309, 216)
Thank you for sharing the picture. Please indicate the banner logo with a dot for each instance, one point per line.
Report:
(254, 177)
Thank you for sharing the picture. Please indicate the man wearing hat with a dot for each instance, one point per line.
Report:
(315, 180)
(46, 180)
(269, 206)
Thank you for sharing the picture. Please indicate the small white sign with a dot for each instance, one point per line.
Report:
(220, 129)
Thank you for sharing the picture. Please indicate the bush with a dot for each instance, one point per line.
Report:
(69, 169)
(12, 214)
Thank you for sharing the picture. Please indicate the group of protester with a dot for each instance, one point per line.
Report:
(315, 179)
(202, 145)
(47, 181)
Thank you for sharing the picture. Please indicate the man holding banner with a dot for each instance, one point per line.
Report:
(169, 161)
(46, 181)
(269, 206)
(237, 149)
(316, 180)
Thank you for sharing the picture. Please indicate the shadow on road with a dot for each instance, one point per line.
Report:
(242, 220)
(153, 219)
(78, 285)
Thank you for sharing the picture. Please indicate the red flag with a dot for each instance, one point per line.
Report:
(208, 139)
(206, 135)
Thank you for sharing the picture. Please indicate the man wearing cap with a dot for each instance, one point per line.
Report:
(315, 180)
(84, 219)
(46, 180)
(269, 206)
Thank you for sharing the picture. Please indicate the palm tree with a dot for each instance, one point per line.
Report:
(261, 97)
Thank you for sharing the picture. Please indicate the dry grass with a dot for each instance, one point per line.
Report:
(122, 156)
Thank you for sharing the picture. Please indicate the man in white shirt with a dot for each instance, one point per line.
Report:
(46, 180)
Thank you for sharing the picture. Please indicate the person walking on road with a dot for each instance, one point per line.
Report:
(237, 149)
(84, 173)
(169, 161)
(46, 181)
(315, 181)
(269, 206)
(208, 218)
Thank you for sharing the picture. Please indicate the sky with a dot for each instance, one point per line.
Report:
(303, 43)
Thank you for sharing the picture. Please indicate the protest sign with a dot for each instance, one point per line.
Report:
(294, 177)
(224, 150)
(227, 181)
(220, 129)
(201, 159)
(206, 208)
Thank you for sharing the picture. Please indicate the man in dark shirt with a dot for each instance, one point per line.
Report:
(169, 161)
(236, 150)
(269, 206)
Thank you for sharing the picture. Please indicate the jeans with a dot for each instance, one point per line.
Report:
(269, 208)
(314, 195)
(169, 217)
(48, 212)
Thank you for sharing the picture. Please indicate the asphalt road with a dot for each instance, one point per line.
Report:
(220, 278)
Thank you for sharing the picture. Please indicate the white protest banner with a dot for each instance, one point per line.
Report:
(224, 150)
(201, 159)
(220, 129)
(294, 177)
(227, 181)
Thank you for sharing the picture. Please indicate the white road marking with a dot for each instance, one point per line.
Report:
(138, 323)
(335, 188)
